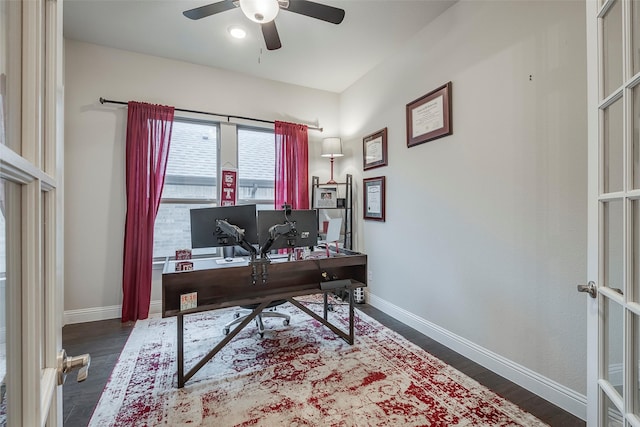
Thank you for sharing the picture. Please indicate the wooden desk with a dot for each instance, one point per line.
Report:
(229, 285)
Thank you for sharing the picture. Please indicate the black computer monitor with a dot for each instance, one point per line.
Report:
(303, 221)
(206, 234)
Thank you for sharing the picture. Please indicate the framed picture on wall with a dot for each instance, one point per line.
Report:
(374, 150)
(374, 198)
(429, 117)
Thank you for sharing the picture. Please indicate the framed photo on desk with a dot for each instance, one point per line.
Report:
(326, 197)
(374, 198)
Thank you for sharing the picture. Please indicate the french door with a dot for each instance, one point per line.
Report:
(31, 216)
(613, 353)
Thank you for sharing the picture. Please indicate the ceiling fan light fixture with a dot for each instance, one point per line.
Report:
(260, 11)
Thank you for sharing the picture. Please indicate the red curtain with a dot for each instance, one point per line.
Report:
(292, 165)
(148, 136)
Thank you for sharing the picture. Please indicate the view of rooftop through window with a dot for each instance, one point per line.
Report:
(192, 173)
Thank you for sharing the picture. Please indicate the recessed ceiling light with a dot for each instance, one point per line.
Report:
(237, 32)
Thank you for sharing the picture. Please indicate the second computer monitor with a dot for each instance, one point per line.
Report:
(304, 221)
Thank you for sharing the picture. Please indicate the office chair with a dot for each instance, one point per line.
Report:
(231, 251)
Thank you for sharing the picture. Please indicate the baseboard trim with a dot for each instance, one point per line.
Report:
(561, 396)
(102, 313)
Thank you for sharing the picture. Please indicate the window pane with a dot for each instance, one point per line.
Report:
(190, 183)
(192, 166)
(256, 167)
(173, 229)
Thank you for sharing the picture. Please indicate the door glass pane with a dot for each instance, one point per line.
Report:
(612, 415)
(613, 245)
(635, 34)
(44, 221)
(635, 248)
(613, 335)
(612, 56)
(636, 135)
(5, 279)
(636, 366)
(613, 148)
(10, 73)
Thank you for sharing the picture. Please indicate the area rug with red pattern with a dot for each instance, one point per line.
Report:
(296, 375)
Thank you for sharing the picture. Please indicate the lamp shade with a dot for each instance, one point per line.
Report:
(332, 147)
(260, 11)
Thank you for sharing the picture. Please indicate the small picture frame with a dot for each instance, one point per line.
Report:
(374, 150)
(429, 117)
(326, 198)
(374, 198)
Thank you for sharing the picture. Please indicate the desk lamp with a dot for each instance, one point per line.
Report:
(332, 147)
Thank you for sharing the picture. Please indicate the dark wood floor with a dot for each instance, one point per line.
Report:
(105, 339)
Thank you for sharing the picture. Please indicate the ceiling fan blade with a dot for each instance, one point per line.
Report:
(208, 10)
(316, 10)
(271, 37)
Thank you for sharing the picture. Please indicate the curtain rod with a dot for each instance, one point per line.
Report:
(103, 100)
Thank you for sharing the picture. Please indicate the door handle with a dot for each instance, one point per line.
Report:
(589, 288)
(67, 364)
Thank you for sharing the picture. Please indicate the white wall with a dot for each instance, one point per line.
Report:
(485, 232)
(95, 141)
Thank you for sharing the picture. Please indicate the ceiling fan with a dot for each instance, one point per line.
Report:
(264, 12)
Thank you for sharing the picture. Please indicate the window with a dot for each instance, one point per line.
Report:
(191, 179)
(256, 167)
(190, 182)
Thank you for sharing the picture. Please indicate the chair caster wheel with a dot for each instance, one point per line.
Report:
(225, 331)
(285, 322)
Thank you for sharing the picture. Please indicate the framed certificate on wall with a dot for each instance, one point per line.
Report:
(429, 117)
(374, 198)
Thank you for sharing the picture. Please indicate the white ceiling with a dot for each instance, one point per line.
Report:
(314, 53)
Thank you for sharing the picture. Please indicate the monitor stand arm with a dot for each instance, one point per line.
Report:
(237, 234)
(277, 231)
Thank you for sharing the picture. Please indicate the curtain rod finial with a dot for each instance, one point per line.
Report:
(101, 100)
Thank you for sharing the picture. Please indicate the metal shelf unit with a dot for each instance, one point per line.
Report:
(343, 206)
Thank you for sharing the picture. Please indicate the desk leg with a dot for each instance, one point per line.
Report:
(351, 315)
(180, 335)
(347, 337)
(326, 304)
